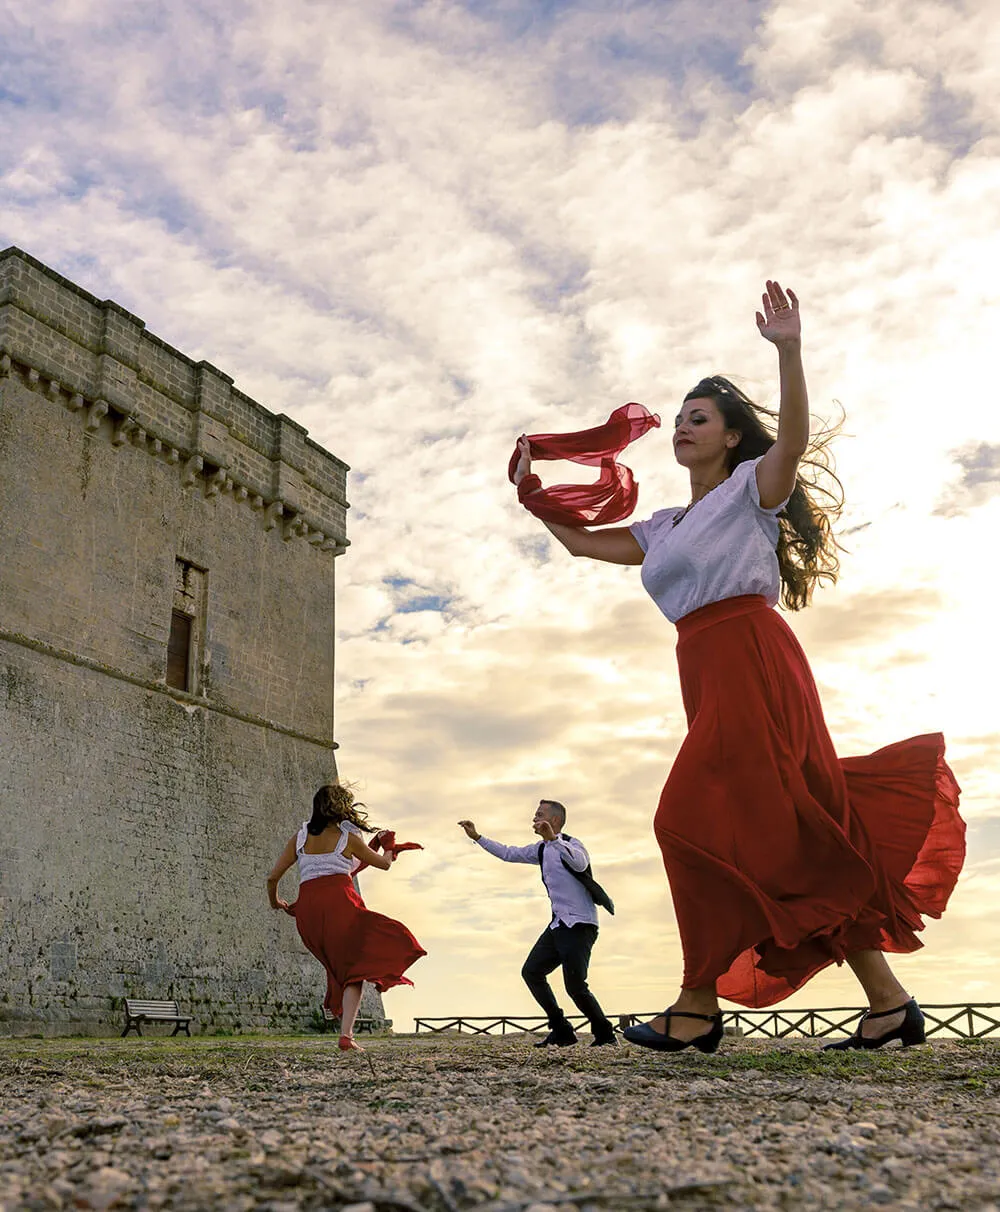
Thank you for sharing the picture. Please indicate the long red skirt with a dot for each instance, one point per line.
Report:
(351, 942)
(783, 858)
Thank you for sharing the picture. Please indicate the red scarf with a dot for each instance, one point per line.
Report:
(385, 840)
(612, 497)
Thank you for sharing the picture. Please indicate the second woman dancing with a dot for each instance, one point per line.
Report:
(351, 942)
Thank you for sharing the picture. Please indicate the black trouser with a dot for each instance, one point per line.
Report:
(570, 947)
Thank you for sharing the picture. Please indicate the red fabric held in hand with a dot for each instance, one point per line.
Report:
(386, 842)
(613, 495)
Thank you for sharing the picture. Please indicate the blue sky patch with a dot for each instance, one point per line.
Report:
(429, 601)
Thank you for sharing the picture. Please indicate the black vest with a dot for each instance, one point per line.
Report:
(586, 877)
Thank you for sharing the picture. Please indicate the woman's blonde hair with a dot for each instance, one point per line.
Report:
(334, 803)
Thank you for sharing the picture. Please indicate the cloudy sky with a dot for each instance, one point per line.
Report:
(421, 227)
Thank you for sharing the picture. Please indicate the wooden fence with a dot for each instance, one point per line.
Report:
(976, 1021)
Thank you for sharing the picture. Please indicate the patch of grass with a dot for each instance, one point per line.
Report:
(251, 1060)
(391, 1104)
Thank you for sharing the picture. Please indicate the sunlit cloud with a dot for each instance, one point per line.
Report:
(422, 229)
(979, 479)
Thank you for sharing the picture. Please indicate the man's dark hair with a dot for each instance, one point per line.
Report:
(558, 811)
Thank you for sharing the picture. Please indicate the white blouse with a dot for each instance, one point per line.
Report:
(312, 866)
(723, 547)
(571, 902)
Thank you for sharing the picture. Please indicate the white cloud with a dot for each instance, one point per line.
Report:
(421, 230)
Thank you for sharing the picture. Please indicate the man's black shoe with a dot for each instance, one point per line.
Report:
(604, 1041)
(560, 1037)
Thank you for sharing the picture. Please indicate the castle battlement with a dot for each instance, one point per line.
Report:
(98, 360)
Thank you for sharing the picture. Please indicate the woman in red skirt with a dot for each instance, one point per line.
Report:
(351, 942)
(781, 857)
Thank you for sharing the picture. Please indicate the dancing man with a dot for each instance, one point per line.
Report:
(781, 857)
(569, 937)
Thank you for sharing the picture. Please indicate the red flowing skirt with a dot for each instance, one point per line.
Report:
(783, 858)
(351, 942)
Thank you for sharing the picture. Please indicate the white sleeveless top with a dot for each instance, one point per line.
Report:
(723, 547)
(312, 866)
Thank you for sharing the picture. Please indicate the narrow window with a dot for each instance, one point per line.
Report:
(179, 650)
(186, 641)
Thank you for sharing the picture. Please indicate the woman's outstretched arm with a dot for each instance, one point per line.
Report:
(780, 325)
(616, 545)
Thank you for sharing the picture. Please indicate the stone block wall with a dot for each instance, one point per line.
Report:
(96, 356)
(136, 837)
(137, 820)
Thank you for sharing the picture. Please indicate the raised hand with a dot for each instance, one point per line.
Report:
(780, 320)
(523, 467)
(470, 829)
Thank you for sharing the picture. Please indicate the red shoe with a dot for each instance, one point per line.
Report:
(346, 1044)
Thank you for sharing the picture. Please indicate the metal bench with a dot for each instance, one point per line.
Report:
(139, 1012)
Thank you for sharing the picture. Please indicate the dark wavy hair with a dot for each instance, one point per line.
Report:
(334, 803)
(807, 549)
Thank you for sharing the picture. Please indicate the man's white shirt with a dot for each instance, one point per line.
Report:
(571, 903)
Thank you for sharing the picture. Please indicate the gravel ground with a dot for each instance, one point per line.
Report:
(449, 1123)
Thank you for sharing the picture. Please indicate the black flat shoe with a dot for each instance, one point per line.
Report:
(644, 1035)
(909, 1032)
(559, 1038)
(604, 1041)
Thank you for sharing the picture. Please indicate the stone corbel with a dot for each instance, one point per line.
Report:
(5, 365)
(192, 466)
(173, 455)
(316, 538)
(257, 502)
(55, 389)
(335, 546)
(216, 483)
(156, 446)
(272, 513)
(75, 402)
(294, 527)
(241, 493)
(122, 430)
(138, 436)
(95, 413)
(33, 377)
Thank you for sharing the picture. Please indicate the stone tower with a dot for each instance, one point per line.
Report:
(166, 672)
